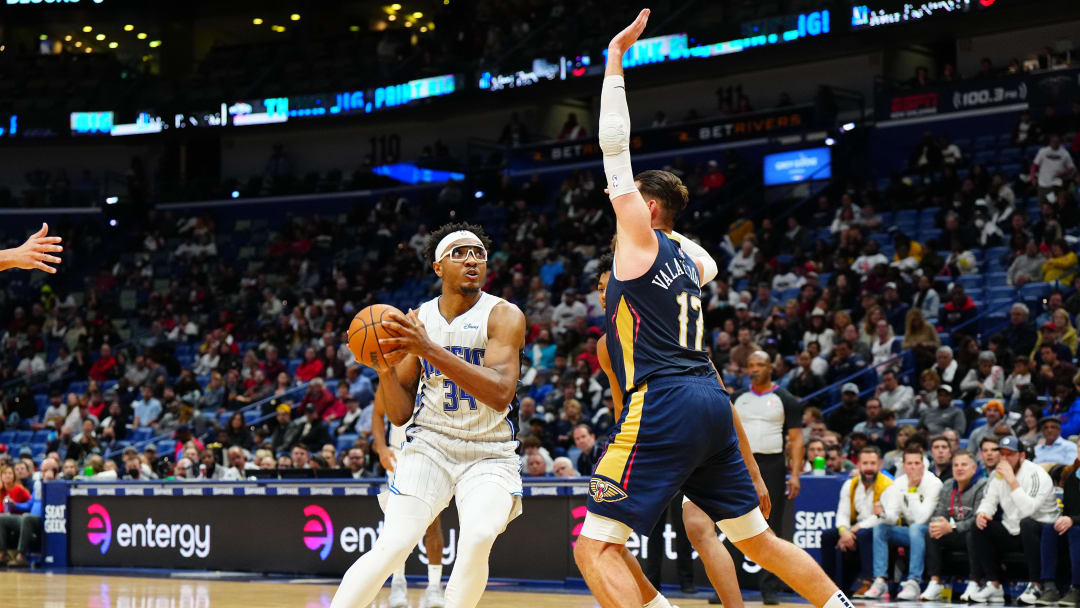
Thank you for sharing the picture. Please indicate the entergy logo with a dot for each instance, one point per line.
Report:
(318, 531)
(99, 528)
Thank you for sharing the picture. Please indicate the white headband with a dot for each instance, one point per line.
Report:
(461, 237)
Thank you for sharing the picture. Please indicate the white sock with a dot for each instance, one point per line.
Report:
(434, 576)
(399, 576)
(838, 600)
(658, 602)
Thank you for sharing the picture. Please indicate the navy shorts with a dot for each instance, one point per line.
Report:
(675, 433)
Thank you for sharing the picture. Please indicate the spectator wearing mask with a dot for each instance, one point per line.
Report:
(951, 523)
(1019, 499)
(906, 507)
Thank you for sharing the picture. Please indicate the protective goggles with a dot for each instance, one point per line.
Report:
(461, 253)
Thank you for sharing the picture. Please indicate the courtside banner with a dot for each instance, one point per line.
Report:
(322, 528)
(716, 130)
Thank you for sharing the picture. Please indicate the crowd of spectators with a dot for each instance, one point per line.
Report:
(888, 344)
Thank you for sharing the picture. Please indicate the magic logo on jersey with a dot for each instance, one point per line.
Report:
(605, 491)
(465, 353)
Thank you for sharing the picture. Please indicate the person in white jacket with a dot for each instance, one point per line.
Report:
(1025, 495)
(905, 510)
(851, 541)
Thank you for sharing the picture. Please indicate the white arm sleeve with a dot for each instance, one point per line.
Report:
(692, 249)
(614, 135)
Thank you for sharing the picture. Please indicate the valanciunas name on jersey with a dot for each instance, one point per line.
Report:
(666, 275)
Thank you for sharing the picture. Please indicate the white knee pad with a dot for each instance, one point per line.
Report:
(744, 526)
(605, 529)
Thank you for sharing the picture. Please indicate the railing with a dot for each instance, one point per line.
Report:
(870, 368)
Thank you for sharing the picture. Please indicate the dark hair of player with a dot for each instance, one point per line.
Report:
(667, 189)
(437, 235)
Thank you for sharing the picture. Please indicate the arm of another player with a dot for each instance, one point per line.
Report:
(33, 253)
(707, 268)
(633, 220)
(378, 436)
(605, 364)
(495, 382)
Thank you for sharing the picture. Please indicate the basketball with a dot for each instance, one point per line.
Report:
(364, 333)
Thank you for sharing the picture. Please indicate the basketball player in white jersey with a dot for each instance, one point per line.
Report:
(388, 453)
(454, 371)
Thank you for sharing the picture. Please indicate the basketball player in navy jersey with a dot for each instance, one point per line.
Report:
(717, 561)
(676, 430)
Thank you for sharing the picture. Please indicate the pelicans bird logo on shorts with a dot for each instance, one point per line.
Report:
(605, 491)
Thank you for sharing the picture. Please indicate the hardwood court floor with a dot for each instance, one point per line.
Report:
(54, 590)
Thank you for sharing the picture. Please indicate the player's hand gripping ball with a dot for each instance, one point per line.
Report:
(364, 333)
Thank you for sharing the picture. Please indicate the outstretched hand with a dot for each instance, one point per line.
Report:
(34, 253)
(626, 38)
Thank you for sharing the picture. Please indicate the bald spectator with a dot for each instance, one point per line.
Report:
(564, 467)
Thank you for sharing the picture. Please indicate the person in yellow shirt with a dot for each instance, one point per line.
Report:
(1062, 263)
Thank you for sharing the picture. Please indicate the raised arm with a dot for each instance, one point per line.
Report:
(633, 221)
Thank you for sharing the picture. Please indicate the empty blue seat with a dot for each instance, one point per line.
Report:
(997, 279)
(42, 401)
(971, 282)
(1035, 291)
(142, 434)
(250, 416)
(346, 441)
(22, 437)
(41, 436)
(78, 388)
(7, 437)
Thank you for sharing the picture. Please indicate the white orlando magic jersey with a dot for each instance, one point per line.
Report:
(441, 405)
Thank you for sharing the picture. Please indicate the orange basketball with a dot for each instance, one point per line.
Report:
(364, 333)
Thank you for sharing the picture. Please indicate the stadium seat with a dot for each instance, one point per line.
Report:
(1034, 291)
(250, 416)
(22, 437)
(346, 441)
(141, 434)
(907, 422)
(7, 438)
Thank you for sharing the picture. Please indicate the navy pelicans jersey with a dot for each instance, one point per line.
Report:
(655, 326)
(441, 405)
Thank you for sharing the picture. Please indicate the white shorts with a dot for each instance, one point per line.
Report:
(435, 468)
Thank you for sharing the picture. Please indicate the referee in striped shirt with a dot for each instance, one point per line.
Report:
(768, 413)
